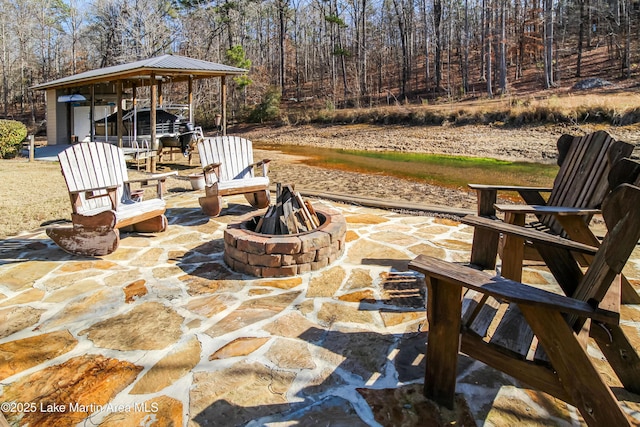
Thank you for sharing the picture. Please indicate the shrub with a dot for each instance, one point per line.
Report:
(12, 133)
(269, 107)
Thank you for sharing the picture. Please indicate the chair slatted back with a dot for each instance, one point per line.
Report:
(91, 165)
(235, 155)
(626, 171)
(621, 212)
(582, 179)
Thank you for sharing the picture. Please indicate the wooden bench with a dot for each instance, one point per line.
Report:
(103, 201)
(228, 166)
(534, 335)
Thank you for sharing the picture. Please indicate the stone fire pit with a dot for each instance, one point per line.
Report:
(266, 255)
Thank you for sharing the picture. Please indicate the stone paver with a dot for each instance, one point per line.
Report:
(162, 332)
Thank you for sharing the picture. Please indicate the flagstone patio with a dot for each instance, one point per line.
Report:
(162, 332)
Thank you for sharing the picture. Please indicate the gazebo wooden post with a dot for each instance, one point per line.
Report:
(120, 125)
(134, 107)
(134, 94)
(152, 119)
(161, 105)
(190, 99)
(92, 113)
(69, 130)
(223, 101)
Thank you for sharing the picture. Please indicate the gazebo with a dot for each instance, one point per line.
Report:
(75, 102)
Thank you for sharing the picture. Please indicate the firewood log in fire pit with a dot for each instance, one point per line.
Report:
(290, 215)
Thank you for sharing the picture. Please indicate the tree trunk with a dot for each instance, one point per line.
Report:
(402, 27)
(483, 41)
(296, 55)
(427, 63)
(487, 50)
(627, 42)
(548, 43)
(580, 39)
(362, 46)
(437, 27)
(520, 29)
(465, 62)
(282, 6)
(503, 48)
(343, 66)
(5, 80)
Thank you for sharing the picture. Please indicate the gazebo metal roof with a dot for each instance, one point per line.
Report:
(176, 67)
(150, 72)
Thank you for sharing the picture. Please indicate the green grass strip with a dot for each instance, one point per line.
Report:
(437, 169)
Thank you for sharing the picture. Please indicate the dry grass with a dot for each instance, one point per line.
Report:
(35, 194)
(32, 194)
(616, 108)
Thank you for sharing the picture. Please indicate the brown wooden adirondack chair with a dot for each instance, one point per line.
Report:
(558, 364)
(102, 201)
(577, 193)
(227, 162)
(559, 260)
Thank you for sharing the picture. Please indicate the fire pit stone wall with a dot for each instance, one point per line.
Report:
(264, 255)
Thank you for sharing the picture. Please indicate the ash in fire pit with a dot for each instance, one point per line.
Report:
(310, 238)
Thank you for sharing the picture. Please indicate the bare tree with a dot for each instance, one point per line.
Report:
(5, 33)
(282, 6)
(358, 10)
(503, 47)
(627, 40)
(581, 31)
(403, 15)
(487, 46)
(465, 47)
(338, 52)
(548, 43)
(24, 32)
(74, 21)
(437, 27)
(424, 11)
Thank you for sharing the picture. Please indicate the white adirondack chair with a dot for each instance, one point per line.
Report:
(227, 162)
(102, 201)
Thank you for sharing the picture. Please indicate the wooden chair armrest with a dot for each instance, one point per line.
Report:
(508, 290)
(213, 167)
(90, 192)
(144, 182)
(535, 236)
(154, 177)
(488, 196)
(507, 188)
(265, 166)
(211, 173)
(546, 210)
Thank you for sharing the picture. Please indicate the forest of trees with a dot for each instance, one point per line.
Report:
(332, 53)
